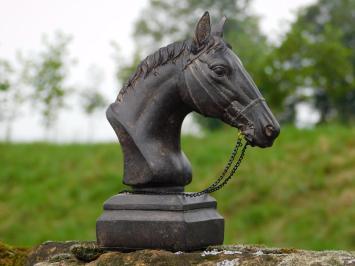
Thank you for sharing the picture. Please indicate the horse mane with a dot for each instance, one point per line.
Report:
(162, 56)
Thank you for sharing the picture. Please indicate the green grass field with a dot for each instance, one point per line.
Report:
(300, 193)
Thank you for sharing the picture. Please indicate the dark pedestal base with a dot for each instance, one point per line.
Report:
(171, 222)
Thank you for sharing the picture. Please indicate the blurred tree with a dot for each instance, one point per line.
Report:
(91, 98)
(11, 96)
(46, 73)
(5, 86)
(162, 22)
(319, 53)
(5, 72)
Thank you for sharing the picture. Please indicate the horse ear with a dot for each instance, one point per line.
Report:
(202, 31)
(218, 29)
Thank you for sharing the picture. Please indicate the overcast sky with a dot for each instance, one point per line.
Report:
(93, 25)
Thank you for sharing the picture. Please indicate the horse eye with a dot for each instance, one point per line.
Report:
(219, 70)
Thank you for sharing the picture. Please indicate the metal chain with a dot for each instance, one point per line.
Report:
(229, 163)
(217, 185)
(234, 169)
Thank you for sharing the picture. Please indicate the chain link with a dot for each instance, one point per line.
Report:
(217, 185)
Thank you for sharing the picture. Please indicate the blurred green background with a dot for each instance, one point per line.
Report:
(299, 193)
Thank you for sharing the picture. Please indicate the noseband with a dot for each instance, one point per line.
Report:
(250, 105)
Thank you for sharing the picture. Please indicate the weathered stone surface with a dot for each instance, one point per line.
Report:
(88, 253)
(48, 250)
(10, 256)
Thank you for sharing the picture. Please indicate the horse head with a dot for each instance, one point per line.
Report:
(218, 86)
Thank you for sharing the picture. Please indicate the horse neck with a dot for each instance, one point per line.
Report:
(153, 109)
(148, 122)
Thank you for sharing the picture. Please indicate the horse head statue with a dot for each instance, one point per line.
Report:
(202, 75)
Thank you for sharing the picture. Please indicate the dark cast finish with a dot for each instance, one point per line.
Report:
(202, 75)
(171, 222)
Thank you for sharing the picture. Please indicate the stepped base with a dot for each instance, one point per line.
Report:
(171, 222)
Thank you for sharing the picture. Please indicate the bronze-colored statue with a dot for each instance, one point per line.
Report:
(203, 75)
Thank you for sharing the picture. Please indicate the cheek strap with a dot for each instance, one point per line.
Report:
(200, 82)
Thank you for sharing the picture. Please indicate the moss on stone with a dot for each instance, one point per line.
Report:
(61, 257)
(86, 251)
(10, 256)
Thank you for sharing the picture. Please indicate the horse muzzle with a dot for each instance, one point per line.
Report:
(255, 121)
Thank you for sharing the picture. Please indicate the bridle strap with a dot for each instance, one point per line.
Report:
(241, 112)
(250, 105)
(193, 58)
(203, 87)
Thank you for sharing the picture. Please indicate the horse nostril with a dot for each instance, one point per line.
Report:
(270, 131)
